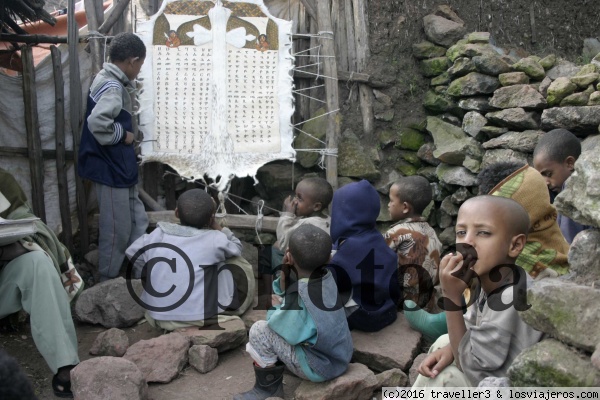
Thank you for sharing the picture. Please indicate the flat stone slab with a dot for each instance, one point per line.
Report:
(226, 336)
(357, 383)
(382, 350)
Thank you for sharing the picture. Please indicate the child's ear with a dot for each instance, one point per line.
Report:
(318, 206)
(570, 163)
(407, 208)
(516, 245)
(290, 258)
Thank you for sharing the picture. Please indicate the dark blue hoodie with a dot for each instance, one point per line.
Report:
(370, 265)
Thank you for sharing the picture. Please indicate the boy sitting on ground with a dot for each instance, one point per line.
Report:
(307, 329)
(491, 232)
(308, 206)
(418, 249)
(188, 254)
(366, 269)
(554, 157)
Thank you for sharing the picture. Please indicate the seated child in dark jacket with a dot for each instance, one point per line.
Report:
(366, 268)
(307, 329)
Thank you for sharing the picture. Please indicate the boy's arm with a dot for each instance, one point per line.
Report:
(452, 289)
(232, 246)
(287, 220)
(101, 121)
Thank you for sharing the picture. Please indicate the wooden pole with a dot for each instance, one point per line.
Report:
(93, 21)
(34, 143)
(331, 87)
(76, 118)
(361, 36)
(115, 14)
(7, 151)
(61, 160)
(41, 39)
(338, 21)
(309, 6)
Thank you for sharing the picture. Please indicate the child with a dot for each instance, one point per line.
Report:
(307, 331)
(308, 206)
(554, 157)
(366, 268)
(206, 245)
(419, 251)
(412, 238)
(485, 341)
(107, 156)
(545, 253)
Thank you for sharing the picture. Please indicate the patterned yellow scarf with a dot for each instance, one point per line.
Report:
(545, 253)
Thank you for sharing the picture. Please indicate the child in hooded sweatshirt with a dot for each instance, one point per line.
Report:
(365, 267)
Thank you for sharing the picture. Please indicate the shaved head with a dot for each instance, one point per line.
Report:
(513, 214)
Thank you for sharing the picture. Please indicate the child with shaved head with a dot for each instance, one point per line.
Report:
(491, 232)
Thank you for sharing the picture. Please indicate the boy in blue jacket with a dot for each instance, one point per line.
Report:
(307, 329)
(107, 156)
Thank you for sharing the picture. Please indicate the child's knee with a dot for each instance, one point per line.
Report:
(257, 331)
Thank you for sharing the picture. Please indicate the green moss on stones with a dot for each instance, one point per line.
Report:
(410, 139)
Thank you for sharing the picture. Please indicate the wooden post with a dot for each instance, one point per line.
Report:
(338, 20)
(94, 20)
(331, 87)
(34, 143)
(361, 35)
(61, 160)
(116, 13)
(76, 118)
(302, 102)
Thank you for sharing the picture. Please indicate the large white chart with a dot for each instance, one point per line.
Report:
(217, 88)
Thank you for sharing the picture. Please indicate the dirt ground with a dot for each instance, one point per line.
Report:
(233, 374)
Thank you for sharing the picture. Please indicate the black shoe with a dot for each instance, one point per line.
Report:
(269, 383)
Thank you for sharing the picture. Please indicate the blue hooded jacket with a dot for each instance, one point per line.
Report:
(363, 264)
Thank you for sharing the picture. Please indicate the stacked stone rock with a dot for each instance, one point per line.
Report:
(487, 105)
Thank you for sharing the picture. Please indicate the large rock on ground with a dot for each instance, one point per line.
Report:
(104, 378)
(562, 68)
(515, 118)
(353, 160)
(575, 100)
(113, 342)
(559, 89)
(442, 31)
(230, 335)
(519, 141)
(473, 122)
(203, 358)
(461, 67)
(523, 96)
(392, 377)
(531, 67)
(160, 359)
(357, 383)
(438, 103)
(434, 66)
(481, 104)
(579, 120)
(425, 153)
(491, 64)
(580, 199)
(551, 363)
(584, 257)
(251, 316)
(373, 348)
(110, 304)
(427, 49)
(453, 175)
(565, 310)
(496, 155)
(473, 84)
(513, 78)
(453, 146)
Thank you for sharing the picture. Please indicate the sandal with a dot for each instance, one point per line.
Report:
(61, 388)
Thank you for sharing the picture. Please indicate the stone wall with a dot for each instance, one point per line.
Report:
(486, 105)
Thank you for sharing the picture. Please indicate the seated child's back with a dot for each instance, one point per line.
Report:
(186, 256)
(307, 329)
(414, 240)
(363, 256)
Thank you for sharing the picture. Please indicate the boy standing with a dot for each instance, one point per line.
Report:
(107, 156)
(492, 232)
(554, 157)
(307, 330)
(189, 255)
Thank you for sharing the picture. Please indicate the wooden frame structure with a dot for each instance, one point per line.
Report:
(342, 27)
